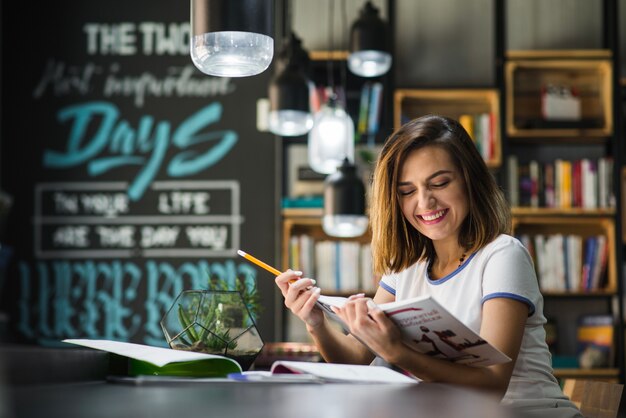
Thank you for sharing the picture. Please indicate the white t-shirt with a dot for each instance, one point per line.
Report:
(503, 269)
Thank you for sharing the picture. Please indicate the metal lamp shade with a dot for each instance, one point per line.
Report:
(289, 92)
(344, 203)
(290, 113)
(369, 51)
(232, 38)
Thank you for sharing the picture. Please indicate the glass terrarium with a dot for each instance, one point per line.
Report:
(213, 322)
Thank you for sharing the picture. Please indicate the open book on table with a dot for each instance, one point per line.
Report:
(149, 360)
(158, 361)
(340, 373)
(429, 328)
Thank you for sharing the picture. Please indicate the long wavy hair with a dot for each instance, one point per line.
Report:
(396, 244)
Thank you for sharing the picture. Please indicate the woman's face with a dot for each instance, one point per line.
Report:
(432, 194)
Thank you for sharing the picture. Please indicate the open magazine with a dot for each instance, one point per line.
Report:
(430, 329)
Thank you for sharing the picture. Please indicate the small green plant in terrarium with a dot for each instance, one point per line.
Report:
(216, 321)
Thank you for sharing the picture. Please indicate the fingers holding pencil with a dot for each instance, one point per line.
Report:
(299, 293)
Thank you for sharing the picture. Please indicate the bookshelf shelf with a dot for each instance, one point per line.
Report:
(601, 293)
(526, 211)
(607, 374)
(583, 226)
(527, 76)
(535, 138)
(308, 222)
(457, 104)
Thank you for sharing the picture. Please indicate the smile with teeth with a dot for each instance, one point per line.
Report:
(433, 216)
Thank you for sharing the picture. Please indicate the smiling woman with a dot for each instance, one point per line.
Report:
(440, 228)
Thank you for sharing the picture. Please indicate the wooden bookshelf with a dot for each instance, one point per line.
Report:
(528, 73)
(411, 103)
(584, 226)
(606, 374)
(309, 222)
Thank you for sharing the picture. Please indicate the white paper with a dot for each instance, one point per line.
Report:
(332, 372)
(158, 356)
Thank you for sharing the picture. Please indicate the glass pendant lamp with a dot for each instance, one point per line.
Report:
(344, 203)
(289, 92)
(369, 52)
(232, 38)
(332, 138)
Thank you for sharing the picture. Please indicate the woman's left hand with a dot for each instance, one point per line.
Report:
(370, 325)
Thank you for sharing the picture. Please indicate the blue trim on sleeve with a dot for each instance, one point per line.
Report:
(387, 288)
(531, 306)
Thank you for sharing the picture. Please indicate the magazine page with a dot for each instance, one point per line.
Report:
(430, 329)
(333, 372)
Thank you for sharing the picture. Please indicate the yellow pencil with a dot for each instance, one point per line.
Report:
(258, 262)
(261, 264)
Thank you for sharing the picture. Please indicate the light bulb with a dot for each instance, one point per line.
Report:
(369, 63)
(344, 226)
(331, 139)
(232, 53)
(290, 122)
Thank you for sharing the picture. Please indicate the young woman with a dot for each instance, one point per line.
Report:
(439, 227)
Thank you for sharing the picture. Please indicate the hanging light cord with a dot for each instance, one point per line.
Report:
(344, 26)
(329, 63)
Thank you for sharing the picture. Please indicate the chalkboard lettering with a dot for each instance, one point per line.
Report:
(66, 79)
(159, 236)
(207, 236)
(116, 236)
(145, 147)
(92, 299)
(104, 39)
(177, 202)
(104, 204)
(71, 236)
(65, 203)
(122, 38)
(87, 220)
(113, 215)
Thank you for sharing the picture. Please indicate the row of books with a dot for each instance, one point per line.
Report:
(568, 263)
(370, 109)
(481, 127)
(337, 266)
(584, 183)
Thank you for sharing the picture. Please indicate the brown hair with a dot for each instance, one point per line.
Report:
(396, 244)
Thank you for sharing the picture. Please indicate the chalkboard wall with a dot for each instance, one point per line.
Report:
(134, 176)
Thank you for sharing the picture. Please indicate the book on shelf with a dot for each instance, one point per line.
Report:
(149, 360)
(595, 341)
(568, 262)
(337, 265)
(427, 327)
(564, 184)
(481, 127)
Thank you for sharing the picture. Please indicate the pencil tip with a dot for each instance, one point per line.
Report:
(241, 253)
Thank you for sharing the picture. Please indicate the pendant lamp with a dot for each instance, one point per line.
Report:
(232, 38)
(369, 51)
(289, 91)
(332, 138)
(344, 203)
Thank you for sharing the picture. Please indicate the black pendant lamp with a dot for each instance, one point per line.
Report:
(344, 203)
(289, 91)
(369, 45)
(232, 38)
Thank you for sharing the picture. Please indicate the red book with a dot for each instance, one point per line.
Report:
(577, 187)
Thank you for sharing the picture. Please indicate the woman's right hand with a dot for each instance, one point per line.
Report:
(300, 296)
